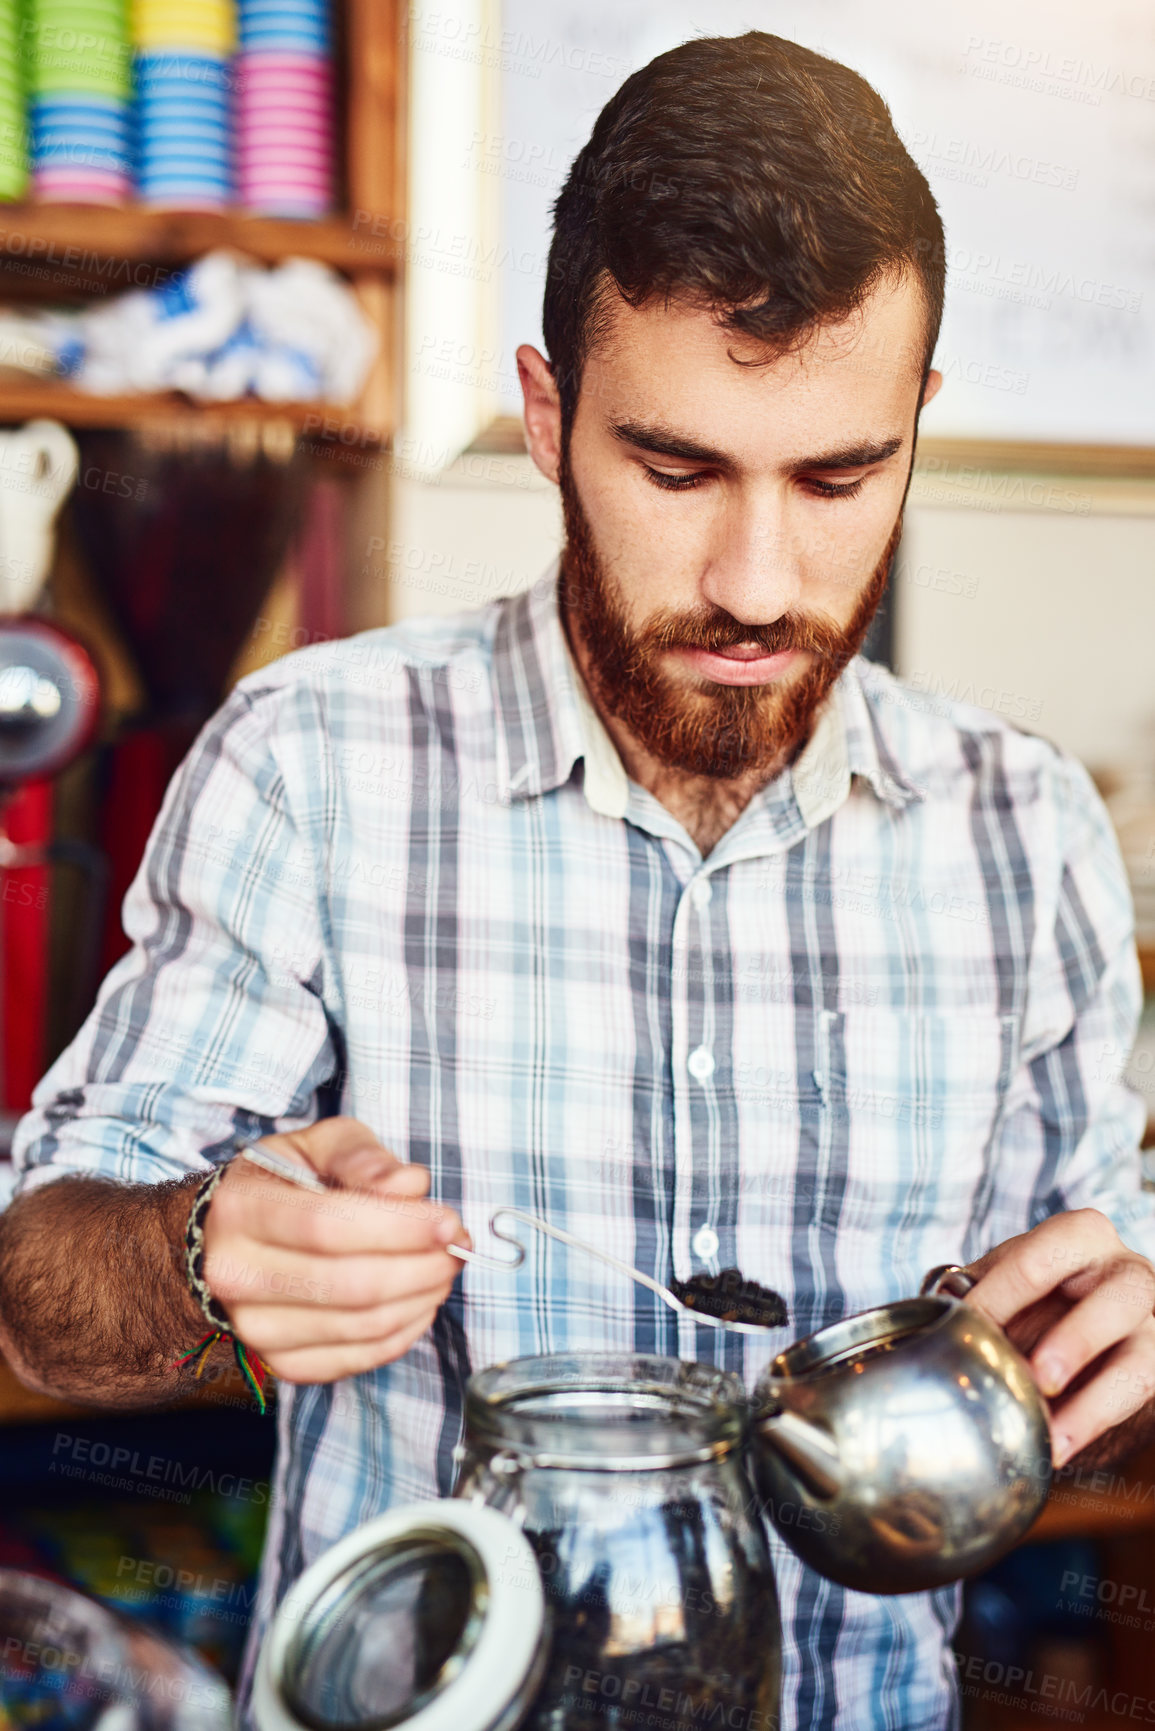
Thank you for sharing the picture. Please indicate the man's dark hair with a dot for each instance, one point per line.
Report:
(746, 174)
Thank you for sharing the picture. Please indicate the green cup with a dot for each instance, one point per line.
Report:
(77, 45)
(13, 154)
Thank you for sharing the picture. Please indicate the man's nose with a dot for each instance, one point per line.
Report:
(754, 571)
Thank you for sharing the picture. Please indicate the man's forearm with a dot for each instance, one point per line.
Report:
(94, 1305)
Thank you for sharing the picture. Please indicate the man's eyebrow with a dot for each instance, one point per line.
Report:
(664, 442)
(858, 456)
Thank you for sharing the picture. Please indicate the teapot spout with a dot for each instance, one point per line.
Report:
(806, 1450)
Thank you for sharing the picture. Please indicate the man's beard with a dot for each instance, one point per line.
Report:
(714, 730)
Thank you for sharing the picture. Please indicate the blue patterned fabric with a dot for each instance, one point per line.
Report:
(881, 1026)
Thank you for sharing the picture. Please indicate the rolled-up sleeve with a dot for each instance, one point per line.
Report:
(214, 1022)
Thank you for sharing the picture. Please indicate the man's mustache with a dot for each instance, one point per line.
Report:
(719, 631)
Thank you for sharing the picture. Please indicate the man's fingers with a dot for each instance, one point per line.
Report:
(377, 1172)
(1123, 1385)
(346, 1153)
(329, 1141)
(1025, 1330)
(1116, 1307)
(261, 1274)
(1025, 1269)
(254, 1205)
(361, 1167)
(276, 1329)
(329, 1363)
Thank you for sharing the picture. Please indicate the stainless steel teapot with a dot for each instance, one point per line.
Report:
(896, 1450)
(902, 1448)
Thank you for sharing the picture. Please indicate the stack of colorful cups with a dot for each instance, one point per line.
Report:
(13, 146)
(285, 108)
(79, 77)
(183, 78)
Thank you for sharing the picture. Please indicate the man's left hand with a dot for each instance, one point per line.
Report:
(1078, 1304)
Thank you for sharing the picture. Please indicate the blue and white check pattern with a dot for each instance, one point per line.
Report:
(880, 1027)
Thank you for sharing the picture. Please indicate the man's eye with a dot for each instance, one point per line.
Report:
(834, 489)
(675, 483)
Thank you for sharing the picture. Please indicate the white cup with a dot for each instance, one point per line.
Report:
(38, 465)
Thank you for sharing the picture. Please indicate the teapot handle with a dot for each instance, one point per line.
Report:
(949, 1280)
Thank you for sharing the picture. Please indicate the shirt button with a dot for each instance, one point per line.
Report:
(701, 891)
(704, 1243)
(700, 1064)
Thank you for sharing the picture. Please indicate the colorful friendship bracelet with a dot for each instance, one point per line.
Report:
(250, 1366)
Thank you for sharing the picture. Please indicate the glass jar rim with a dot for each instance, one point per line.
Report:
(609, 1412)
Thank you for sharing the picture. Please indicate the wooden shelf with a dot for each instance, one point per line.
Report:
(1033, 457)
(23, 399)
(73, 237)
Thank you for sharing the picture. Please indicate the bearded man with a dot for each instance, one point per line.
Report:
(640, 900)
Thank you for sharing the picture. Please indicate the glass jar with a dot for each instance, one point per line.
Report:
(626, 1476)
(73, 1664)
(602, 1564)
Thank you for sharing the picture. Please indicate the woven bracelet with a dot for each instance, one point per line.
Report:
(194, 1252)
(250, 1366)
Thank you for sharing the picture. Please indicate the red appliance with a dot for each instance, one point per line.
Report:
(49, 705)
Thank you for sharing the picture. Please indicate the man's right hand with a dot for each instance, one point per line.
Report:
(323, 1287)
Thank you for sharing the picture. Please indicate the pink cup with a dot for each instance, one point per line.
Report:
(73, 186)
(300, 179)
(283, 149)
(282, 58)
(268, 185)
(266, 191)
(287, 108)
(283, 114)
(286, 105)
(266, 141)
(281, 128)
(283, 167)
(304, 75)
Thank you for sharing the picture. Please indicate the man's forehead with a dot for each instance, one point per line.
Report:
(678, 349)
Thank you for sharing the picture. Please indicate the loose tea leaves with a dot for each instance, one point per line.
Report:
(730, 1297)
(689, 1643)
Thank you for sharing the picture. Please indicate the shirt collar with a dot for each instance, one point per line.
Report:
(539, 735)
(869, 751)
(547, 721)
(606, 784)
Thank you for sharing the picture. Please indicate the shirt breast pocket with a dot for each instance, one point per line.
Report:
(914, 1099)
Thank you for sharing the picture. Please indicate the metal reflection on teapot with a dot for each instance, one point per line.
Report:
(904, 1447)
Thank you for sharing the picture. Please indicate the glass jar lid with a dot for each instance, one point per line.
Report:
(430, 1616)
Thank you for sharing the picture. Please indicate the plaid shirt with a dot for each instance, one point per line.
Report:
(880, 1026)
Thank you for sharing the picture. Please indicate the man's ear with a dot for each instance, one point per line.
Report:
(931, 388)
(542, 410)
